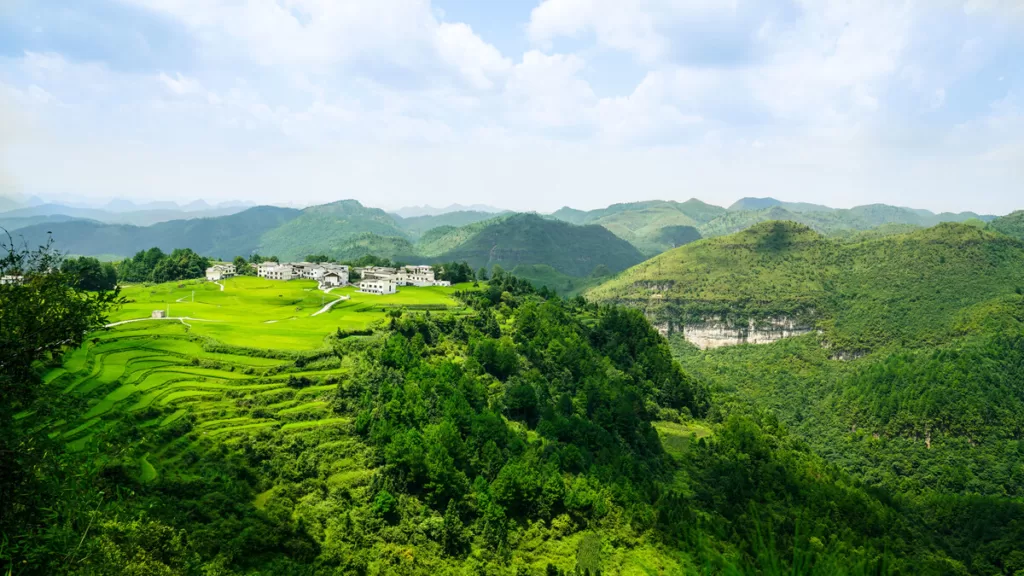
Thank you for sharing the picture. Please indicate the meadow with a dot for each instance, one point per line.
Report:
(259, 313)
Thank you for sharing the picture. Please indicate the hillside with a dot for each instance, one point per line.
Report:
(12, 224)
(524, 239)
(899, 351)
(862, 295)
(644, 224)
(224, 237)
(1010, 225)
(321, 228)
(417, 226)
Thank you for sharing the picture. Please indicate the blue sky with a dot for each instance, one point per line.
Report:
(524, 104)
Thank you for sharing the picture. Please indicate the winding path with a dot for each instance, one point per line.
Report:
(180, 318)
(221, 286)
(328, 305)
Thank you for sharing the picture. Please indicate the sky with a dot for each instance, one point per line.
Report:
(521, 104)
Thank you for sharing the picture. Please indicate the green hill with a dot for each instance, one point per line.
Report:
(442, 239)
(224, 236)
(1011, 225)
(326, 226)
(905, 360)
(417, 226)
(643, 224)
(530, 239)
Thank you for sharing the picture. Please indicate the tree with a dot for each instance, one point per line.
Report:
(318, 258)
(481, 274)
(90, 273)
(42, 314)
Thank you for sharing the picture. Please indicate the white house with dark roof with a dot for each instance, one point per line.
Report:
(378, 286)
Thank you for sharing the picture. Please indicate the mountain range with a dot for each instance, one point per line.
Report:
(568, 249)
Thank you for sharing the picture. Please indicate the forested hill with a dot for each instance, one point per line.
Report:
(1011, 225)
(900, 289)
(910, 375)
(223, 237)
(525, 239)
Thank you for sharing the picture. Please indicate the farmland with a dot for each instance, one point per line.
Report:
(260, 313)
(230, 369)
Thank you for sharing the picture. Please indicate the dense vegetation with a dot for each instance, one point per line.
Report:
(154, 266)
(1011, 225)
(91, 273)
(652, 226)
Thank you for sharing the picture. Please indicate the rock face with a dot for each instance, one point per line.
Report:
(715, 333)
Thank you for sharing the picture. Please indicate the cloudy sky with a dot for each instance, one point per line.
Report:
(524, 104)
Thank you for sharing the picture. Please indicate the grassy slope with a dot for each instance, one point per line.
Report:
(278, 313)
(529, 239)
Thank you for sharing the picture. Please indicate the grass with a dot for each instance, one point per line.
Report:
(158, 390)
(240, 314)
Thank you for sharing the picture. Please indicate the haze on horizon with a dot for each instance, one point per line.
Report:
(522, 104)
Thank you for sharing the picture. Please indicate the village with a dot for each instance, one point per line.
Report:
(372, 279)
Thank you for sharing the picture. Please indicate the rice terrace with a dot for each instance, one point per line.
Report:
(231, 368)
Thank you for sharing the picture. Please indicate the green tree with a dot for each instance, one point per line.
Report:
(91, 273)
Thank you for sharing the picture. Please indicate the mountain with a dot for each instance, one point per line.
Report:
(914, 338)
(11, 224)
(134, 217)
(224, 237)
(763, 203)
(427, 210)
(642, 223)
(322, 228)
(417, 226)
(523, 239)
(1011, 225)
(7, 204)
(833, 222)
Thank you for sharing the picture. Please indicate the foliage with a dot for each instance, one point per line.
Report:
(91, 274)
(1011, 225)
(454, 272)
(154, 266)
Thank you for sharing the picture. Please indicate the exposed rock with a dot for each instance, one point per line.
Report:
(714, 333)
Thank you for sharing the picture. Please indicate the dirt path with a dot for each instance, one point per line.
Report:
(328, 306)
(221, 286)
(179, 318)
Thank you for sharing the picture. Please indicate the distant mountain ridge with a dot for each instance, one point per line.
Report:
(428, 210)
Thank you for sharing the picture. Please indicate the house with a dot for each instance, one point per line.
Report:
(333, 278)
(220, 272)
(371, 272)
(159, 314)
(275, 271)
(378, 286)
(11, 279)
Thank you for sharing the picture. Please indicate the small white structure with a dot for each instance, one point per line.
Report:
(220, 272)
(378, 286)
(333, 279)
(159, 314)
(11, 279)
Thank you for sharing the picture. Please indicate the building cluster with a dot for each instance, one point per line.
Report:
(220, 272)
(325, 273)
(381, 280)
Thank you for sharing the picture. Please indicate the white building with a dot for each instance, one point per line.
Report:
(220, 272)
(333, 278)
(378, 286)
(275, 271)
(159, 314)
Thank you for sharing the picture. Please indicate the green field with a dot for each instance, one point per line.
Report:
(260, 313)
(172, 379)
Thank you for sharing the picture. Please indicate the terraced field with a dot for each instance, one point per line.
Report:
(161, 394)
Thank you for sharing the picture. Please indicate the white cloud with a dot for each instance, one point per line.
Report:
(477, 60)
(181, 85)
(549, 90)
(626, 26)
